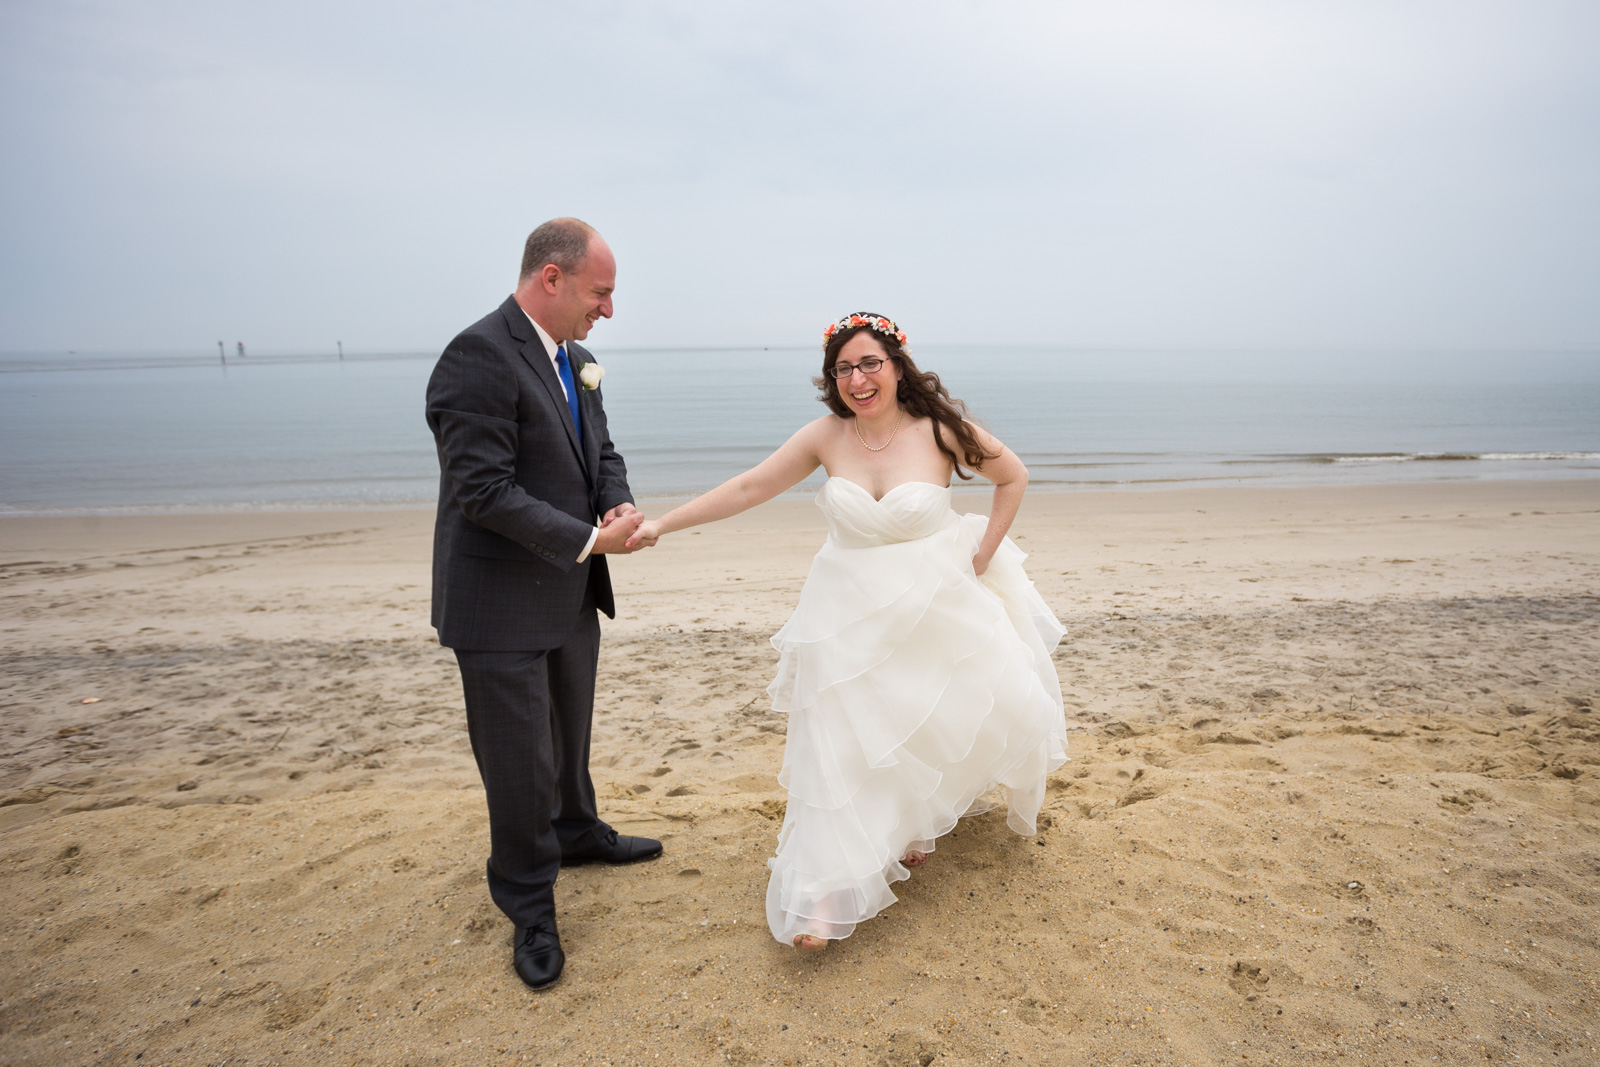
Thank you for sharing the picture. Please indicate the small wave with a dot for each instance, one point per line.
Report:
(1395, 457)
(1092, 465)
(1446, 457)
(1540, 455)
(1257, 461)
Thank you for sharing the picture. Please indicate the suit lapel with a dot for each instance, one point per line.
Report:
(538, 359)
(591, 440)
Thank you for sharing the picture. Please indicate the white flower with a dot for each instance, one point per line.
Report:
(590, 374)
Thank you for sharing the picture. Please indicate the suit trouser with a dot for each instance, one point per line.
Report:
(529, 714)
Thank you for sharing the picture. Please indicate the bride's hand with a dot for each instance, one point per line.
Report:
(980, 561)
(646, 535)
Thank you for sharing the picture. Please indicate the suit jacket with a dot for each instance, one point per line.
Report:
(518, 497)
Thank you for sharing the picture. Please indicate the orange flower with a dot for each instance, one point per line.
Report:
(876, 322)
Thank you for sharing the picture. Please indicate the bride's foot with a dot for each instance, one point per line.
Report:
(914, 858)
(810, 943)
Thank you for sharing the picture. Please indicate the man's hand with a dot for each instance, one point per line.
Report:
(616, 513)
(615, 532)
(649, 531)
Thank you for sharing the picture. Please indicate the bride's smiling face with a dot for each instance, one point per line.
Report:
(863, 393)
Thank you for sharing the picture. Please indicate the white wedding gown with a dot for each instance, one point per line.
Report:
(913, 687)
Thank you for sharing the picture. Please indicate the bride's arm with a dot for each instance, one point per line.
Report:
(796, 458)
(1010, 478)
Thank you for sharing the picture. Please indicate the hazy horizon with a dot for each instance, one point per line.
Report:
(1078, 363)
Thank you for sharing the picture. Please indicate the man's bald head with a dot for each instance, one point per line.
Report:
(564, 242)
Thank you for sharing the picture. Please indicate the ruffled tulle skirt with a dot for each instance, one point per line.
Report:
(913, 689)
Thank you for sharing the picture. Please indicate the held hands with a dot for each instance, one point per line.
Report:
(648, 533)
(616, 513)
(619, 531)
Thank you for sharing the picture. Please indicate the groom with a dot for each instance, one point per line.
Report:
(519, 570)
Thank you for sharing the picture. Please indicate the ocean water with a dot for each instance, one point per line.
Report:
(157, 432)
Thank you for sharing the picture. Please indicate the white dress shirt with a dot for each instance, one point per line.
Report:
(550, 347)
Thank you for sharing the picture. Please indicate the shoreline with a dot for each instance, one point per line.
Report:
(961, 489)
(1334, 789)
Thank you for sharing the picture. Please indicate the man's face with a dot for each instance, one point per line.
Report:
(583, 296)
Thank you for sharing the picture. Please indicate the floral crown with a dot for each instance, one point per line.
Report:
(877, 322)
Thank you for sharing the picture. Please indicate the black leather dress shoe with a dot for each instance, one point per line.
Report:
(537, 956)
(607, 846)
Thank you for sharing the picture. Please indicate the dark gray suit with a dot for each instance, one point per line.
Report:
(518, 498)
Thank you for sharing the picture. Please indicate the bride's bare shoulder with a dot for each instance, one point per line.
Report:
(817, 435)
(823, 424)
(826, 427)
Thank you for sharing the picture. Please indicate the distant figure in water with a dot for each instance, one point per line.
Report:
(240, 345)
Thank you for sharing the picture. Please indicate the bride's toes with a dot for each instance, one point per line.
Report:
(914, 858)
(809, 943)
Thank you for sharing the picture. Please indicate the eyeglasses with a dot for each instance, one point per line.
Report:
(871, 365)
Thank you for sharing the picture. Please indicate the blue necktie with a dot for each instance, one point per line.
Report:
(565, 370)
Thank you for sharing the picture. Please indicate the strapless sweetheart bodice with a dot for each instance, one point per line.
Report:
(908, 512)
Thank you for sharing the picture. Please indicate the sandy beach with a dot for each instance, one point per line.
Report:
(1333, 793)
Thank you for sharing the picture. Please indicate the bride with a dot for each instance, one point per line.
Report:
(916, 668)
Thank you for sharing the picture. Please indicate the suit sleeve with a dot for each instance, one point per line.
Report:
(472, 410)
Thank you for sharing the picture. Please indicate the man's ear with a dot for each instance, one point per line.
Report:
(549, 275)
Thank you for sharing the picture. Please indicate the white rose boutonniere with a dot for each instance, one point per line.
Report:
(590, 374)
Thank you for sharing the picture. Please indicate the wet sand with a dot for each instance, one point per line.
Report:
(1332, 793)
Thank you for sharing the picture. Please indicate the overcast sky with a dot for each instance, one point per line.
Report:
(1382, 175)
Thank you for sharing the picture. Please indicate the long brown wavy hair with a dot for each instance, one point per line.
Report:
(920, 393)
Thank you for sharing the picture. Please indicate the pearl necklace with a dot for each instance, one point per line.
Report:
(886, 444)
